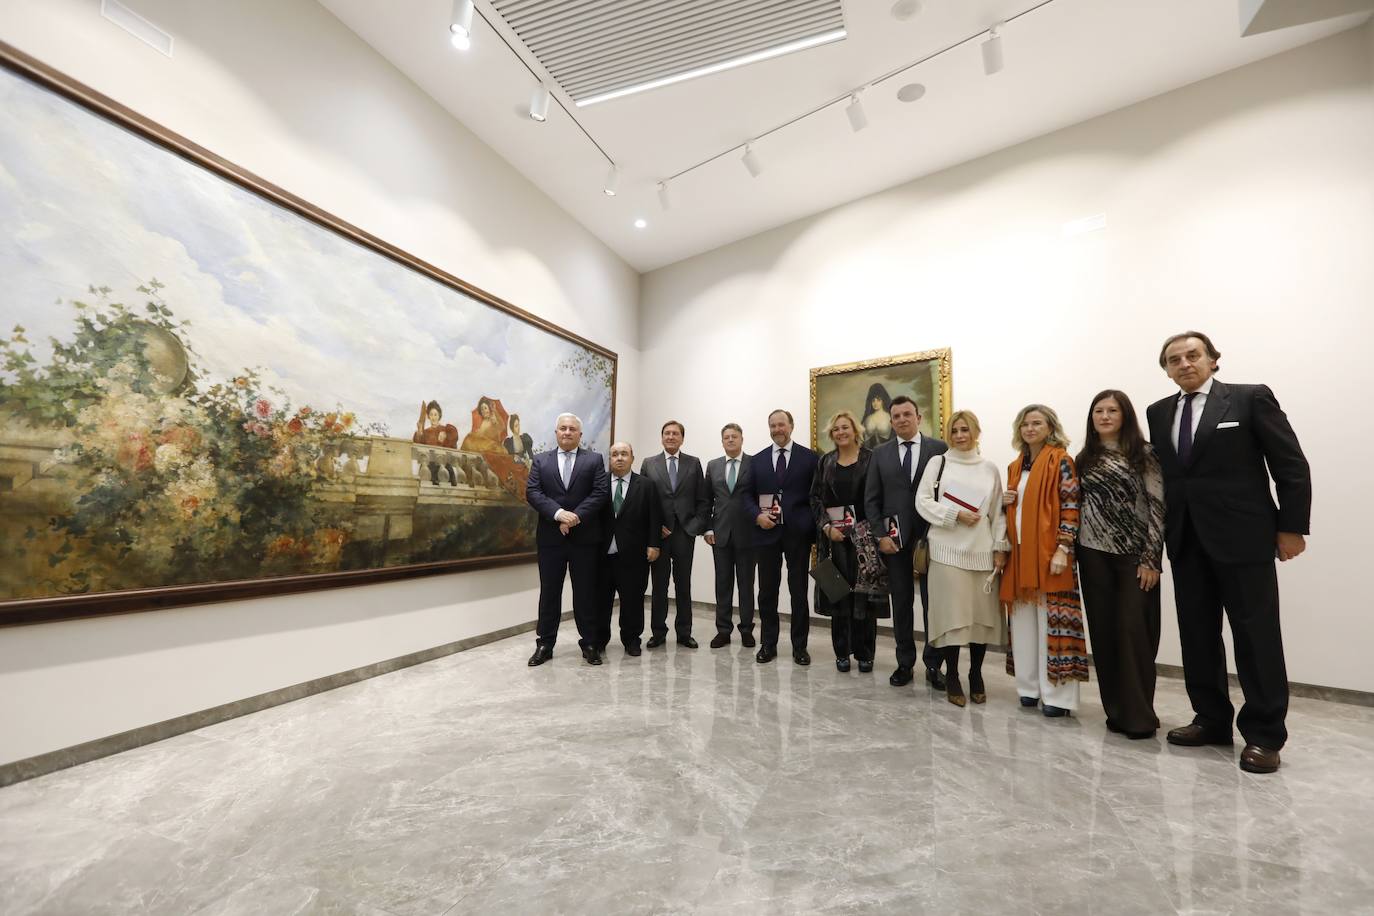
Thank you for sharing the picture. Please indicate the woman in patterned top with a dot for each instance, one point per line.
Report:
(1039, 588)
(1119, 544)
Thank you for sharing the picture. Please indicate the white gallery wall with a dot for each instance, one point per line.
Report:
(1242, 205)
(287, 92)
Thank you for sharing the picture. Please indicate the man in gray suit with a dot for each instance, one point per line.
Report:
(731, 536)
(686, 504)
(893, 473)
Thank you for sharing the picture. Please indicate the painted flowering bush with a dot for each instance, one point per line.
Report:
(172, 480)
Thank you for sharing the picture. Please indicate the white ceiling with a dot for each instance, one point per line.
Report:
(1065, 62)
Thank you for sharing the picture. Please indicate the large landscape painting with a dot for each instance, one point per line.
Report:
(205, 385)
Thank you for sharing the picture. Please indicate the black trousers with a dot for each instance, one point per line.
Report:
(1249, 593)
(675, 560)
(734, 568)
(619, 575)
(1123, 621)
(851, 636)
(579, 562)
(770, 557)
(902, 587)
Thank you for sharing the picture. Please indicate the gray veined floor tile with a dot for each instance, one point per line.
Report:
(691, 782)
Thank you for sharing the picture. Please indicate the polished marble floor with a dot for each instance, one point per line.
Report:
(691, 781)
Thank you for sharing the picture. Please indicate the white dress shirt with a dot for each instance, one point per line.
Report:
(915, 453)
(1199, 402)
(614, 478)
(571, 464)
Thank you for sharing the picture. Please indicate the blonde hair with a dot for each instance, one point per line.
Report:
(842, 415)
(968, 417)
(1057, 436)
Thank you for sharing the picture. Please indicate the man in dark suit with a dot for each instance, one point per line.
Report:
(1223, 531)
(731, 536)
(631, 523)
(783, 471)
(567, 487)
(893, 473)
(685, 503)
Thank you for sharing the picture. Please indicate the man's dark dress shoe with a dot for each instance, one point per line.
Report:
(900, 678)
(1256, 759)
(842, 665)
(687, 642)
(747, 640)
(865, 666)
(633, 650)
(1195, 735)
(541, 655)
(801, 657)
(935, 679)
(655, 641)
(720, 640)
(1053, 712)
(1030, 702)
(766, 655)
(592, 655)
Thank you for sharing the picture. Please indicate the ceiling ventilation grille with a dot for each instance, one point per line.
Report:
(593, 48)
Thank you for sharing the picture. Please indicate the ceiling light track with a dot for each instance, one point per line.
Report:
(993, 33)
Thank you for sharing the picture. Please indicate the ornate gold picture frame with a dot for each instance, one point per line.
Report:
(866, 388)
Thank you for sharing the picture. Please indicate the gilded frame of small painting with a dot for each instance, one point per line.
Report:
(866, 389)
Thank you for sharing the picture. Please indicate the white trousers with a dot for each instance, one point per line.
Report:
(1029, 645)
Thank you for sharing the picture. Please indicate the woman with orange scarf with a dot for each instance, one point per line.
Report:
(1039, 587)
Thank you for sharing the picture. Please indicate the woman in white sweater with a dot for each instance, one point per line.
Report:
(960, 494)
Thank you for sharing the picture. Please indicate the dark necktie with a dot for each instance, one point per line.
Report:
(782, 465)
(906, 461)
(672, 472)
(1185, 429)
(619, 494)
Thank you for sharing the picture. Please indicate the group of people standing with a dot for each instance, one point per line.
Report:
(997, 557)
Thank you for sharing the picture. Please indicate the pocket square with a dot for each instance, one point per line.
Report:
(1228, 424)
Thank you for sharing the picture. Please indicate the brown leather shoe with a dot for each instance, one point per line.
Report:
(1195, 735)
(1256, 759)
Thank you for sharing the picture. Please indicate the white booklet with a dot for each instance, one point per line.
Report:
(962, 496)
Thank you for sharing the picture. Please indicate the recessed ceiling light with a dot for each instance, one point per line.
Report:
(753, 58)
(911, 92)
(905, 9)
(641, 223)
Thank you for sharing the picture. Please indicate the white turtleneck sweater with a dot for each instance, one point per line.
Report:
(950, 542)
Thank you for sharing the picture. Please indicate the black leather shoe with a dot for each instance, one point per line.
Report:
(687, 642)
(747, 640)
(935, 679)
(842, 665)
(720, 640)
(1030, 702)
(900, 678)
(766, 655)
(801, 657)
(541, 655)
(1256, 759)
(633, 650)
(865, 666)
(1195, 735)
(655, 641)
(592, 655)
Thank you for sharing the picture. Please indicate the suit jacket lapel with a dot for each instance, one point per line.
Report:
(1217, 401)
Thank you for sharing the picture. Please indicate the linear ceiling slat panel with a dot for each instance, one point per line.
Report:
(720, 25)
(595, 46)
(666, 48)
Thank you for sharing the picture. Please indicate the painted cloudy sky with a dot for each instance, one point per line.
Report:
(84, 202)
